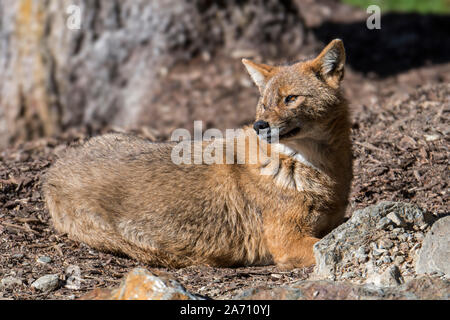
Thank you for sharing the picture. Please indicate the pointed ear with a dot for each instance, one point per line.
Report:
(330, 63)
(259, 72)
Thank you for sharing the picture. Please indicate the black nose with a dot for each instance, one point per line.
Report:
(260, 125)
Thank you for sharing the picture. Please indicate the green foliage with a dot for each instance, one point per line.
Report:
(419, 6)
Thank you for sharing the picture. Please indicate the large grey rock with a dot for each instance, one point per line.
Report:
(371, 242)
(424, 288)
(434, 256)
(46, 283)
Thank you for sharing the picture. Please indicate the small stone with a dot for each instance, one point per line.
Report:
(9, 282)
(348, 275)
(392, 236)
(402, 237)
(397, 231)
(383, 223)
(419, 236)
(434, 254)
(73, 277)
(431, 137)
(46, 283)
(386, 244)
(17, 256)
(44, 260)
(416, 247)
(390, 277)
(140, 284)
(363, 258)
(395, 219)
(386, 259)
(362, 250)
(404, 247)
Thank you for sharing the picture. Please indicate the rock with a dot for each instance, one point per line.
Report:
(361, 254)
(397, 231)
(399, 260)
(383, 223)
(46, 283)
(141, 284)
(392, 216)
(386, 259)
(419, 236)
(434, 256)
(416, 289)
(431, 137)
(402, 237)
(98, 294)
(9, 282)
(44, 260)
(348, 275)
(378, 252)
(340, 251)
(390, 277)
(386, 244)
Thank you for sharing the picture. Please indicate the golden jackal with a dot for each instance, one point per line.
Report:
(120, 193)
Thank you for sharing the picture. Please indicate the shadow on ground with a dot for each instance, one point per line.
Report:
(405, 41)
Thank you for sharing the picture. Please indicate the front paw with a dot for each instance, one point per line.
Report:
(293, 263)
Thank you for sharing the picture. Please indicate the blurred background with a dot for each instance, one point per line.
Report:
(155, 66)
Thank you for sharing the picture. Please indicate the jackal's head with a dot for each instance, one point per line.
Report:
(299, 100)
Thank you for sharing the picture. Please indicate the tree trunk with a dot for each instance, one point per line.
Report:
(53, 77)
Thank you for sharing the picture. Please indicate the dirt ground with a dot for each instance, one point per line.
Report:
(400, 138)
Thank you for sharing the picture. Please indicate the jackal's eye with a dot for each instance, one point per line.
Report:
(290, 99)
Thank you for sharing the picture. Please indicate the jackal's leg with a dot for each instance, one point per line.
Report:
(289, 246)
(296, 253)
